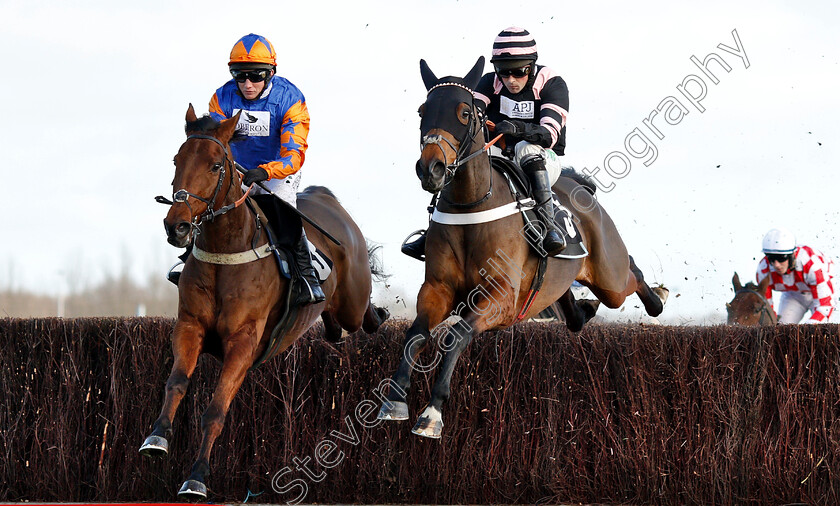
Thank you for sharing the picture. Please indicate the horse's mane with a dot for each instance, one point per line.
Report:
(319, 189)
(203, 124)
(208, 124)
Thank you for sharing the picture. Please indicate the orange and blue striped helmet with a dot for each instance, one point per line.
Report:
(252, 51)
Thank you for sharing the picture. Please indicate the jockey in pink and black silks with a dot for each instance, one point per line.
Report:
(532, 97)
(803, 275)
(529, 103)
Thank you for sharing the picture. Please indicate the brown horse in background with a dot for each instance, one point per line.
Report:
(230, 310)
(483, 272)
(750, 306)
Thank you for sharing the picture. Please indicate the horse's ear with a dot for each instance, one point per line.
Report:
(429, 77)
(474, 75)
(227, 128)
(191, 114)
(736, 282)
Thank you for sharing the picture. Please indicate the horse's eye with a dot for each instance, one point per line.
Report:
(216, 166)
(465, 113)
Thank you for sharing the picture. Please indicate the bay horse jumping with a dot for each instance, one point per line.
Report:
(230, 302)
(482, 267)
(750, 306)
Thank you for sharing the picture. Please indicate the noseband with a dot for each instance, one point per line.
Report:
(461, 153)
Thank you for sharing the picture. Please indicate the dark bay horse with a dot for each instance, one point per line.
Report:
(230, 307)
(749, 306)
(483, 271)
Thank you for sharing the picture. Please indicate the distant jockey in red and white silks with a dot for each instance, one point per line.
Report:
(803, 275)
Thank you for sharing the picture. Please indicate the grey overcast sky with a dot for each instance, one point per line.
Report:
(95, 92)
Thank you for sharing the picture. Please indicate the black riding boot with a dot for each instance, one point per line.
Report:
(534, 167)
(416, 248)
(307, 289)
(173, 276)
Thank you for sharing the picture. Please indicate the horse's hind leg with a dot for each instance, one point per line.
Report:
(374, 316)
(652, 298)
(186, 346)
(332, 330)
(577, 312)
(237, 360)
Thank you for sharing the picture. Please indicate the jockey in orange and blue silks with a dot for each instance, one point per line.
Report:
(273, 126)
(274, 120)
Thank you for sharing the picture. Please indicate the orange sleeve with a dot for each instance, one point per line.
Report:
(293, 142)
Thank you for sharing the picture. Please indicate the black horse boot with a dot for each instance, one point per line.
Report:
(416, 248)
(534, 167)
(174, 275)
(307, 288)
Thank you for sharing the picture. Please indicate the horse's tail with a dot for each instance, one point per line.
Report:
(377, 270)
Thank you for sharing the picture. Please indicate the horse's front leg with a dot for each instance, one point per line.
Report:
(433, 303)
(238, 357)
(187, 340)
(458, 337)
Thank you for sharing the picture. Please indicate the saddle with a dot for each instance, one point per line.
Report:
(564, 220)
(283, 230)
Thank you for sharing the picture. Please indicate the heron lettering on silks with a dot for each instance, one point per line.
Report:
(501, 271)
(694, 89)
(327, 454)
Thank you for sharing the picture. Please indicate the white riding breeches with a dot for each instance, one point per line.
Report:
(523, 148)
(285, 189)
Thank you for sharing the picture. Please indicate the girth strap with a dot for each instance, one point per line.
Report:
(233, 258)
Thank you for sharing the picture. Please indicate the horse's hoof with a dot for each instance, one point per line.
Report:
(429, 424)
(193, 490)
(393, 410)
(154, 446)
(661, 292)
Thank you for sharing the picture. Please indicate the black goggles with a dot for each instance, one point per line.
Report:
(520, 72)
(255, 76)
(775, 257)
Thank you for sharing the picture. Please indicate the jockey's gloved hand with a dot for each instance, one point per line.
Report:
(513, 127)
(255, 176)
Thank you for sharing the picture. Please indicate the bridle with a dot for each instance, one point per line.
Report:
(462, 155)
(182, 195)
(765, 307)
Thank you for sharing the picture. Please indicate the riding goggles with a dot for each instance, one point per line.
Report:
(255, 76)
(774, 257)
(520, 72)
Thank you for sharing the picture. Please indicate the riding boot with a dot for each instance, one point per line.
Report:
(534, 167)
(416, 248)
(174, 273)
(307, 288)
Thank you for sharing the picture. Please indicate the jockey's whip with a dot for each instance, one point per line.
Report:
(297, 211)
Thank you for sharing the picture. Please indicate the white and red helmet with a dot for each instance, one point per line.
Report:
(778, 241)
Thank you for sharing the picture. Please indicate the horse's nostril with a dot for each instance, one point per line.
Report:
(419, 168)
(182, 229)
